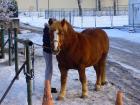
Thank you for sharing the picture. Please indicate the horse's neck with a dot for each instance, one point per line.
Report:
(71, 38)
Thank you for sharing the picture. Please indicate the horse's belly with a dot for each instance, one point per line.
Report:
(68, 63)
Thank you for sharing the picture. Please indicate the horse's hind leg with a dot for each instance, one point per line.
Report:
(83, 80)
(98, 76)
(64, 73)
(100, 69)
(103, 69)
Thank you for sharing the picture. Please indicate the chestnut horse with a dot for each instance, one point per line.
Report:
(76, 50)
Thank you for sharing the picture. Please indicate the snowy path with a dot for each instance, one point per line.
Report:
(125, 53)
(124, 68)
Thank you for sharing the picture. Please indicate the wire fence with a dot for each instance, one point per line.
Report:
(92, 17)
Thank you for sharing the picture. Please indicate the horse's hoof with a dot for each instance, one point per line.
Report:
(104, 83)
(84, 96)
(60, 98)
(97, 88)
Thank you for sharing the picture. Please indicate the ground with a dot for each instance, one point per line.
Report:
(122, 74)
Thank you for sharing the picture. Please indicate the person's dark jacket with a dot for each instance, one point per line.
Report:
(46, 40)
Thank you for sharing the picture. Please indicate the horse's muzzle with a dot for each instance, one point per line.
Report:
(56, 52)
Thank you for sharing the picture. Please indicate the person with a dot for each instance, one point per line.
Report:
(48, 60)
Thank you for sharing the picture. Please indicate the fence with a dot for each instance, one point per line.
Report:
(96, 17)
(105, 11)
(92, 16)
(10, 42)
(26, 67)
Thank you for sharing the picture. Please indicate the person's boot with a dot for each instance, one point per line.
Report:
(47, 98)
(53, 90)
(119, 99)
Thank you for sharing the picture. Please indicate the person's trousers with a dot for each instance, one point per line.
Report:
(49, 67)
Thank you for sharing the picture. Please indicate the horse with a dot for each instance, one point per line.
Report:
(78, 50)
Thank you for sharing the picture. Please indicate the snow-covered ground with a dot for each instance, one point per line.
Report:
(17, 95)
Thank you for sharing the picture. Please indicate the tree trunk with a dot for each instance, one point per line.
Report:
(99, 5)
(114, 7)
(80, 7)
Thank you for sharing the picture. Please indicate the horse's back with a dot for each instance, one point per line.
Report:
(97, 37)
(94, 32)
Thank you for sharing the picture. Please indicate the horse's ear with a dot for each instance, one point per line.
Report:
(63, 22)
(64, 25)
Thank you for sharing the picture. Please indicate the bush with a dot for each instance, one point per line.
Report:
(14, 8)
(8, 8)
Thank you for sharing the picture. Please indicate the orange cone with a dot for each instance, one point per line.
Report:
(47, 98)
(119, 99)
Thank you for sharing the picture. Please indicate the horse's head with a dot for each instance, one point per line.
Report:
(57, 30)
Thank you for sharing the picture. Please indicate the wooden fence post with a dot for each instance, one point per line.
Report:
(16, 51)
(9, 44)
(2, 42)
(28, 75)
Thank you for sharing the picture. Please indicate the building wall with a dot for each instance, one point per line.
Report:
(110, 3)
(26, 4)
(88, 4)
(57, 4)
(106, 3)
(67, 4)
(122, 2)
(134, 12)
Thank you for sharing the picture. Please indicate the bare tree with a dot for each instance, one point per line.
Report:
(98, 5)
(80, 7)
(37, 5)
(114, 6)
(7, 9)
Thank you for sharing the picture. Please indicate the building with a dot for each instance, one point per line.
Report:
(134, 12)
(41, 5)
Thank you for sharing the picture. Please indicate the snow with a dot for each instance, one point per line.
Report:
(134, 71)
(33, 21)
(125, 50)
(133, 37)
(100, 21)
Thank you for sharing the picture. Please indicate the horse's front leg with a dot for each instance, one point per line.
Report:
(63, 83)
(83, 80)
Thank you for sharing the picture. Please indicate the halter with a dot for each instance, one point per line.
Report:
(52, 42)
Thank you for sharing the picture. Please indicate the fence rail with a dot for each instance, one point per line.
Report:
(120, 10)
(106, 11)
